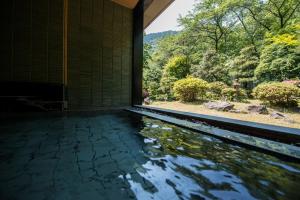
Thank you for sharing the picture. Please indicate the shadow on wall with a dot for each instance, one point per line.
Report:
(30, 96)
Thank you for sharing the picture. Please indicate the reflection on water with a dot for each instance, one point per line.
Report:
(187, 165)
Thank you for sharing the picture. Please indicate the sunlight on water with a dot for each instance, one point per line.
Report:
(187, 165)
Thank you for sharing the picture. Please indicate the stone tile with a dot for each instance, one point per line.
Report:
(74, 157)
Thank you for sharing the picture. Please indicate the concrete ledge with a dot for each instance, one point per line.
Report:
(283, 151)
(277, 133)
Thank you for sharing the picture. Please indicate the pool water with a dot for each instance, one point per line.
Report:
(118, 155)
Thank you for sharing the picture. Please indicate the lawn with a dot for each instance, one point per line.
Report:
(253, 117)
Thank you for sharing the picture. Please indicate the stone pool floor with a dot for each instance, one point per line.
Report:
(121, 156)
(68, 157)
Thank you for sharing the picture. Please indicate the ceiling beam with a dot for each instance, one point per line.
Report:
(153, 8)
(126, 3)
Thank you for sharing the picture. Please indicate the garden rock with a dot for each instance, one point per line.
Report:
(220, 106)
(238, 111)
(260, 109)
(147, 101)
(277, 115)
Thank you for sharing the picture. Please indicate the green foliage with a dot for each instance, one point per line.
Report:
(151, 73)
(278, 62)
(232, 94)
(278, 13)
(152, 76)
(285, 39)
(243, 66)
(147, 55)
(153, 38)
(189, 89)
(177, 67)
(270, 15)
(223, 40)
(210, 21)
(212, 68)
(277, 93)
(165, 49)
(166, 87)
(215, 90)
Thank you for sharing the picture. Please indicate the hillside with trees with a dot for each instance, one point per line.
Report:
(153, 38)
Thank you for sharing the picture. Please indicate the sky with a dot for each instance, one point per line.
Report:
(168, 19)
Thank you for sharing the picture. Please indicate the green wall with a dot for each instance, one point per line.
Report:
(31, 40)
(100, 54)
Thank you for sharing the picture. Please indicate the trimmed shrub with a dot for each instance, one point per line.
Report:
(294, 82)
(189, 89)
(277, 93)
(215, 90)
(232, 94)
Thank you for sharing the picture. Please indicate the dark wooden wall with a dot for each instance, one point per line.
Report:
(31, 41)
(99, 54)
(98, 68)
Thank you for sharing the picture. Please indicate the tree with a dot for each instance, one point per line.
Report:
(212, 68)
(224, 40)
(272, 14)
(151, 79)
(209, 20)
(177, 67)
(279, 59)
(166, 87)
(151, 73)
(147, 55)
(243, 66)
(166, 48)
(281, 11)
(247, 29)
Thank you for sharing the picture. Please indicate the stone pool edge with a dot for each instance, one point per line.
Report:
(266, 131)
(284, 151)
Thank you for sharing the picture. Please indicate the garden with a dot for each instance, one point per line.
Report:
(235, 59)
(273, 103)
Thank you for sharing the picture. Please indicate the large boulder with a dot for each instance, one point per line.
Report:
(260, 109)
(220, 106)
(278, 115)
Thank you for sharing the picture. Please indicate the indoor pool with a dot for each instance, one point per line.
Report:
(120, 155)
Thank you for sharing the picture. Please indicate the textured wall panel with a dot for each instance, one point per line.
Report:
(31, 49)
(99, 62)
(99, 43)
